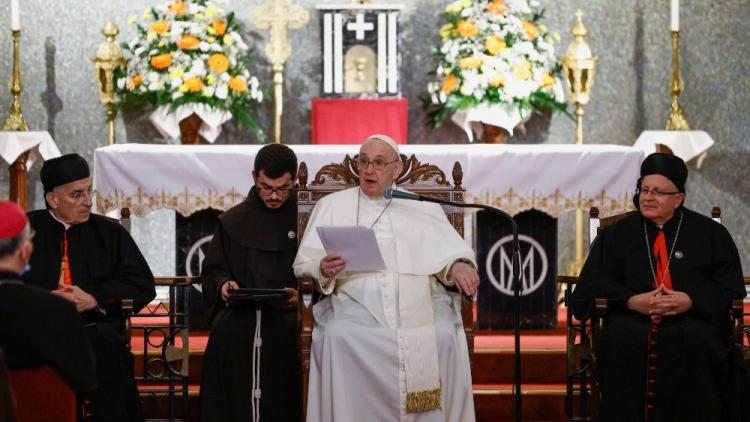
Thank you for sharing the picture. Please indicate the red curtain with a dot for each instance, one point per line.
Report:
(350, 121)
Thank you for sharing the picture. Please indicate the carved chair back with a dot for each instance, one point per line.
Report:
(421, 178)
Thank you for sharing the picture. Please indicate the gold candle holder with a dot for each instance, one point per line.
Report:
(676, 120)
(579, 66)
(16, 122)
(108, 58)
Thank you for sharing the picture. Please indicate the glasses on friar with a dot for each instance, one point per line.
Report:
(281, 190)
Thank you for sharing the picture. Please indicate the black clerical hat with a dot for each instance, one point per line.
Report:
(670, 166)
(61, 170)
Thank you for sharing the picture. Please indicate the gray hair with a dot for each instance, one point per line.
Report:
(10, 245)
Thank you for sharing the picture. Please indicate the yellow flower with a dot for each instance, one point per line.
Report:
(466, 28)
(497, 7)
(198, 16)
(177, 8)
(522, 70)
(449, 84)
(494, 44)
(497, 80)
(446, 30)
(218, 63)
(228, 40)
(194, 84)
(210, 79)
(161, 61)
(135, 81)
(469, 63)
(219, 26)
(147, 13)
(454, 7)
(150, 36)
(548, 81)
(159, 27)
(132, 20)
(447, 71)
(183, 88)
(210, 40)
(177, 73)
(531, 31)
(160, 44)
(211, 11)
(188, 42)
(238, 84)
(465, 3)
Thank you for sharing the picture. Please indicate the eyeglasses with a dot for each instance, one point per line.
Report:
(282, 191)
(656, 192)
(378, 163)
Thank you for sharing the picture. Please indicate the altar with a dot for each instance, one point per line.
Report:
(535, 183)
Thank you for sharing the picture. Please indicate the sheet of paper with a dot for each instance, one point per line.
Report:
(356, 244)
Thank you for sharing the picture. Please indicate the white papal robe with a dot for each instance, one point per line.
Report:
(357, 370)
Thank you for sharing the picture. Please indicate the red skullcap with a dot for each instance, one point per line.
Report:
(12, 220)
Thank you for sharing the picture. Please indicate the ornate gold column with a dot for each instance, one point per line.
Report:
(579, 65)
(16, 122)
(108, 58)
(278, 15)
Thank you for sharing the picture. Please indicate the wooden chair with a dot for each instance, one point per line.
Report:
(582, 336)
(423, 179)
(41, 395)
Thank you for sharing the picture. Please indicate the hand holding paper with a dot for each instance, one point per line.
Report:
(356, 245)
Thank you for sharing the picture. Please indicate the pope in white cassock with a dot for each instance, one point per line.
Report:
(388, 345)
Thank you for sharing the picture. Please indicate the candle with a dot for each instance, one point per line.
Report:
(675, 15)
(15, 21)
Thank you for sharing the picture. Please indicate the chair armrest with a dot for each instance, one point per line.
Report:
(738, 315)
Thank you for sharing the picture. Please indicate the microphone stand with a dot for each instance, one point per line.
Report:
(516, 288)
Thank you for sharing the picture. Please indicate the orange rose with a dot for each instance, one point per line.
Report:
(162, 61)
(238, 84)
(494, 44)
(220, 27)
(188, 42)
(531, 30)
(160, 27)
(135, 81)
(218, 63)
(497, 7)
(194, 84)
(449, 83)
(466, 28)
(178, 8)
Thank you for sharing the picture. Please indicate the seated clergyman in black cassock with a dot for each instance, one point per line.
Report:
(670, 275)
(91, 261)
(37, 328)
(251, 369)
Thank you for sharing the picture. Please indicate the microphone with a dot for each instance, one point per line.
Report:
(390, 193)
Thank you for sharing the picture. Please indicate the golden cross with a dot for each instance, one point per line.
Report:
(279, 15)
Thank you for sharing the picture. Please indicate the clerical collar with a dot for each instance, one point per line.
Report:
(377, 201)
(66, 225)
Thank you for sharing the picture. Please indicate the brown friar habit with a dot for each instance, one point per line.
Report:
(106, 263)
(254, 246)
(691, 353)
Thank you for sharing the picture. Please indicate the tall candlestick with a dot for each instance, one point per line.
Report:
(15, 13)
(675, 21)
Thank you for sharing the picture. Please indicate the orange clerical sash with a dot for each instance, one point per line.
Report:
(65, 278)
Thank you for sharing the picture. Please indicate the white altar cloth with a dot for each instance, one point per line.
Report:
(15, 143)
(548, 177)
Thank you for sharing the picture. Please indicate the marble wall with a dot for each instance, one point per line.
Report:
(630, 38)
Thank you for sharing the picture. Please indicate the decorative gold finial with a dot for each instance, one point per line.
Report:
(15, 121)
(108, 58)
(278, 15)
(676, 120)
(579, 65)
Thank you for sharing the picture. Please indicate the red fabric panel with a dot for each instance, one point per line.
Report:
(350, 121)
(42, 396)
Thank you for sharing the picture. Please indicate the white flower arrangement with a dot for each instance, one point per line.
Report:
(495, 52)
(189, 51)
